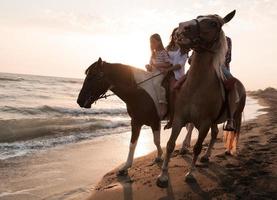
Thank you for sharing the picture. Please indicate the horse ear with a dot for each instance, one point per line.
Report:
(99, 60)
(230, 16)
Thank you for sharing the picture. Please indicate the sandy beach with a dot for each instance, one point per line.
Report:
(251, 174)
(83, 85)
(71, 170)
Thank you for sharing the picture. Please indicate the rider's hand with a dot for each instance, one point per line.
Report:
(148, 68)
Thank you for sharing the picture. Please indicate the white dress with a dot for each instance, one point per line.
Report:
(175, 58)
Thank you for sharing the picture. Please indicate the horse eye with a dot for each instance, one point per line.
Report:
(213, 24)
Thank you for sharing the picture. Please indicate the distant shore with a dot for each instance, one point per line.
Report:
(252, 174)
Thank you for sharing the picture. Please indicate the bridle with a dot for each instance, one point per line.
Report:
(104, 95)
(200, 44)
(100, 77)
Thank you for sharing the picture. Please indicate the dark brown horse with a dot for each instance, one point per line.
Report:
(121, 80)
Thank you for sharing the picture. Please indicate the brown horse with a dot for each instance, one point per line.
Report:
(201, 101)
(122, 81)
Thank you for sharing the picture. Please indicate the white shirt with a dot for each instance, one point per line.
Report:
(175, 58)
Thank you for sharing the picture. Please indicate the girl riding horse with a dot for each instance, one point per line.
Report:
(159, 62)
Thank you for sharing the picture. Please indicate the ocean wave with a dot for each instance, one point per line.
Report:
(21, 137)
(61, 110)
(24, 129)
(77, 81)
(11, 79)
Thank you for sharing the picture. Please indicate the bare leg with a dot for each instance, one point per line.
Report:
(135, 134)
(157, 142)
(203, 131)
(186, 142)
(162, 180)
(214, 132)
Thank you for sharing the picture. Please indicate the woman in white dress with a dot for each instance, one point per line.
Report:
(177, 57)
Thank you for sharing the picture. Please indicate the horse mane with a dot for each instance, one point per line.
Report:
(121, 73)
(219, 56)
(90, 67)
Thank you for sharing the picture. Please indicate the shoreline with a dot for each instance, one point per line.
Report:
(252, 174)
(71, 171)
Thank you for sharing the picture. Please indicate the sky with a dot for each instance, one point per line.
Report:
(62, 38)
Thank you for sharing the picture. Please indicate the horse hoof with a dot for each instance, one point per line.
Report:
(228, 153)
(162, 183)
(158, 160)
(123, 172)
(184, 151)
(189, 178)
(204, 159)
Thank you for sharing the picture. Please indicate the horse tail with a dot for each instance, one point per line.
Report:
(240, 114)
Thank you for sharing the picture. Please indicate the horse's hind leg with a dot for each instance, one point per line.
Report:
(214, 132)
(134, 138)
(232, 148)
(162, 180)
(157, 142)
(186, 142)
(203, 131)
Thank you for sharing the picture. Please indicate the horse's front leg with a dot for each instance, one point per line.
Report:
(157, 142)
(203, 131)
(162, 180)
(134, 138)
(214, 132)
(187, 140)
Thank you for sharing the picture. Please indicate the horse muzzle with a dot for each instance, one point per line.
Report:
(85, 103)
(88, 102)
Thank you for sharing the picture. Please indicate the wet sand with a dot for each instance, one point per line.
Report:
(251, 174)
(69, 171)
(72, 171)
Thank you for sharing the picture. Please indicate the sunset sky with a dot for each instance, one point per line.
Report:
(62, 38)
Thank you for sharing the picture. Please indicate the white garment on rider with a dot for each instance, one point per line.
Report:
(176, 58)
(161, 57)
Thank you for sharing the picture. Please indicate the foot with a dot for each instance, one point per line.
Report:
(184, 151)
(204, 159)
(122, 172)
(168, 125)
(228, 153)
(162, 181)
(158, 160)
(230, 125)
(189, 177)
